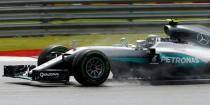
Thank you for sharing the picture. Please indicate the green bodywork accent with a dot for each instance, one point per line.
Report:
(23, 77)
(131, 59)
(182, 60)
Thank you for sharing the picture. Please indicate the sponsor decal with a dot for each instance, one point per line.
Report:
(202, 39)
(49, 75)
(180, 60)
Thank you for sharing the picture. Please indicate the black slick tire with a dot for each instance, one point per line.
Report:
(49, 53)
(91, 68)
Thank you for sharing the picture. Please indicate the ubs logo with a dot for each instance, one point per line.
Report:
(202, 39)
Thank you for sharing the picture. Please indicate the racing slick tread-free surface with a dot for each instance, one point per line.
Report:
(80, 72)
(46, 54)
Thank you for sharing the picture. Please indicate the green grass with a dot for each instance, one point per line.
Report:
(82, 40)
(88, 20)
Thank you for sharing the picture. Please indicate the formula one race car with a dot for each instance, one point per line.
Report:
(184, 55)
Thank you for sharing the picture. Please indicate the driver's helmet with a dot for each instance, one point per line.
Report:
(152, 40)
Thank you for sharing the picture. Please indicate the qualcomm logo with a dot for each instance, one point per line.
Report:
(49, 75)
(202, 39)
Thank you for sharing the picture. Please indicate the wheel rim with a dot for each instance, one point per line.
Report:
(95, 67)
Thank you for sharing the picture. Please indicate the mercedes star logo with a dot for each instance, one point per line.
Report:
(202, 39)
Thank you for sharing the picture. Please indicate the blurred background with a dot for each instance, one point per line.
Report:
(31, 25)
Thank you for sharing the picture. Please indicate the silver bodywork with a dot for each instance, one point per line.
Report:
(121, 50)
(136, 59)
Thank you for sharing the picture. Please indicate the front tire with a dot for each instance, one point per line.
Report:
(51, 53)
(91, 68)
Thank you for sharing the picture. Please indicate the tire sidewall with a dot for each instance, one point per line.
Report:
(43, 56)
(80, 72)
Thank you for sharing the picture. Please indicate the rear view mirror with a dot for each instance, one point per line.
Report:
(64, 56)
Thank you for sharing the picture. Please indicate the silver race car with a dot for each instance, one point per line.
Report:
(184, 55)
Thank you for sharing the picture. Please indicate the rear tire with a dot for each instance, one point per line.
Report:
(91, 68)
(51, 53)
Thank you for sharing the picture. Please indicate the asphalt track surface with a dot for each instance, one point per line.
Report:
(23, 92)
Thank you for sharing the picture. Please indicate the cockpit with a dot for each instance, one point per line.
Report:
(149, 42)
(152, 40)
